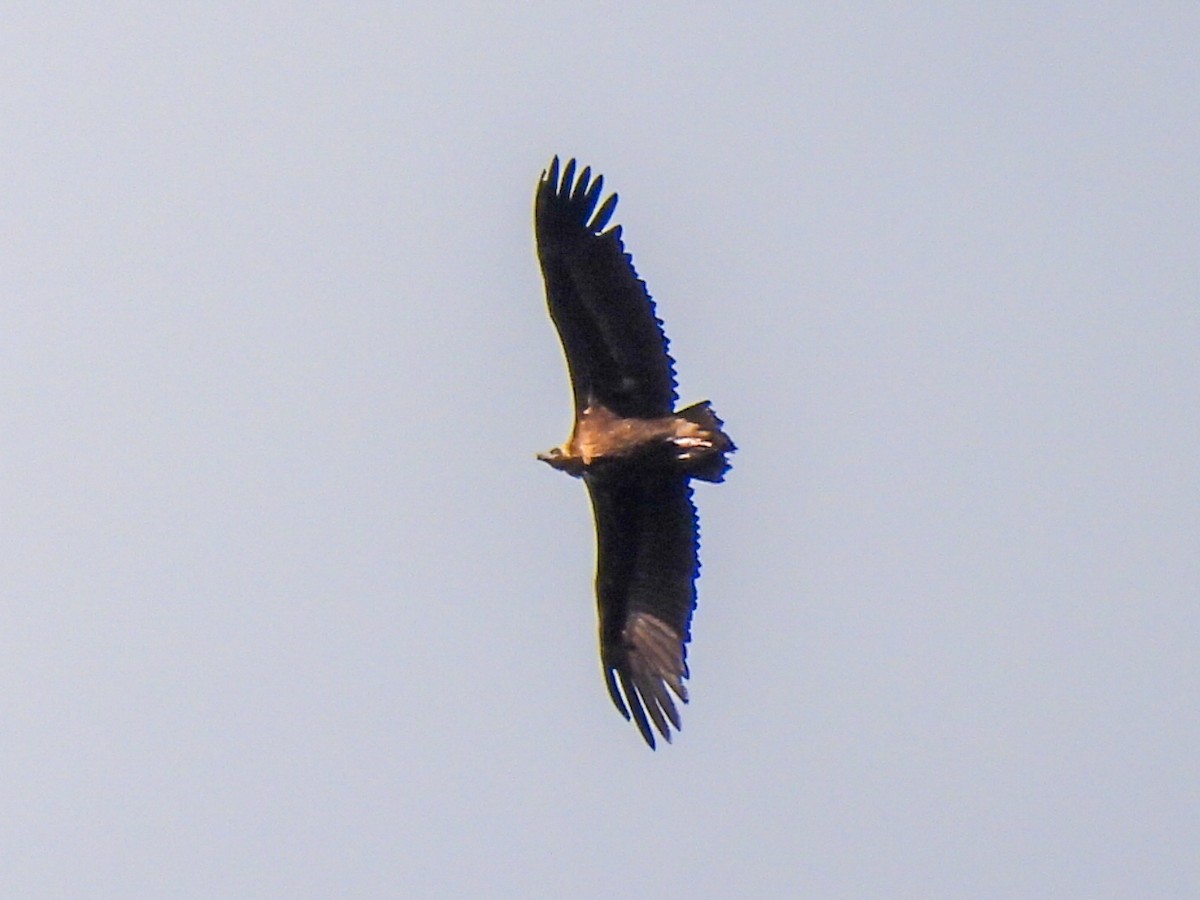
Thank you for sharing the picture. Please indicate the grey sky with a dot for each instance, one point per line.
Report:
(290, 610)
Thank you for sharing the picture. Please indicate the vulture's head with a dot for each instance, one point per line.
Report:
(559, 458)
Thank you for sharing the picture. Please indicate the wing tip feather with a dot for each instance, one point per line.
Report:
(580, 193)
(649, 666)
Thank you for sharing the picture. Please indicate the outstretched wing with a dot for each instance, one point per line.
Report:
(615, 347)
(646, 565)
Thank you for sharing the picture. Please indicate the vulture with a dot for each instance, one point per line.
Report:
(636, 455)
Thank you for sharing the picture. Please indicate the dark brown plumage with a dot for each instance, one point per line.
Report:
(636, 455)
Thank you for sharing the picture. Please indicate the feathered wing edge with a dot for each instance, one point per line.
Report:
(650, 664)
(581, 194)
(614, 342)
(647, 564)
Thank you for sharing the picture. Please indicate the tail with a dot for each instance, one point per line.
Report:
(710, 464)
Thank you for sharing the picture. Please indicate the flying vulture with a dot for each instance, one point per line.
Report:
(636, 455)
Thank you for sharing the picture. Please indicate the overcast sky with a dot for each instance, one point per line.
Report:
(289, 609)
